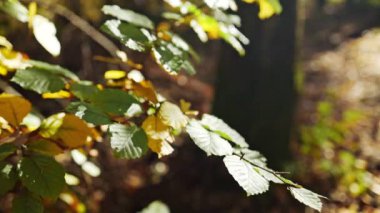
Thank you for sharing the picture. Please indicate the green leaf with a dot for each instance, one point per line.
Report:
(38, 80)
(6, 150)
(54, 69)
(84, 90)
(128, 141)
(16, 9)
(42, 175)
(89, 113)
(246, 175)
(114, 101)
(27, 202)
(128, 16)
(218, 126)
(172, 58)
(307, 197)
(131, 36)
(51, 125)
(44, 147)
(209, 142)
(156, 207)
(8, 177)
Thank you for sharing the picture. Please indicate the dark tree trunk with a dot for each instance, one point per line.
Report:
(255, 94)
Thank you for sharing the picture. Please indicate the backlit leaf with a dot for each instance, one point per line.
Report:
(159, 146)
(221, 128)
(32, 11)
(246, 176)
(307, 197)
(171, 115)
(128, 141)
(14, 108)
(145, 89)
(129, 35)
(50, 125)
(114, 74)
(209, 142)
(27, 202)
(128, 16)
(42, 175)
(155, 128)
(73, 132)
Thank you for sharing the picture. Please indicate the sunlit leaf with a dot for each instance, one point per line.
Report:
(160, 146)
(5, 43)
(128, 141)
(50, 125)
(27, 202)
(172, 58)
(307, 197)
(246, 176)
(89, 113)
(221, 4)
(171, 115)
(15, 9)
(31, 121)
(8, 177)
(185, 108)
(156, 207)
(42, 175)
(145, 89)
(209, 142)
(45, 33)
(155, 128)
(56, 95)
(128, 16)
(114, 74)
(14, 108)
(11, 60)
(32, 11)
(54, 69)
(44, 147)
(221, 128)
(38, 80)
(131, 36)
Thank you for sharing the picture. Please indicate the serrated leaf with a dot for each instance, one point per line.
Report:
(45, 33)
(307, 197)
(38, 80)
(172, 58)
(128, 16)
(114, 101)
(209, 142)
(42, 175)
(156, 207)
(54, 69)
(89, 113)
(129, 35)
(171, 115)
(128, 141)
(27, 202)
(16, 9)
(155, 128)
(14, 108)
(44, 147)
(246, 175)
(6, 150)
(221, 128)
(8, 177)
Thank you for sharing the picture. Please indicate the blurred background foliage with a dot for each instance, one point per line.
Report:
(306, 95)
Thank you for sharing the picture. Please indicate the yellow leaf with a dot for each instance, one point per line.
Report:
(56, 95)
(114, 74)
(155, 129)
(145, 89)
(73, 132)
(266, 9)
(160, 147)
(5, 43)
(185, 107)
(171, 115)
(11, 60)
(31, 13)
(14, 108)
(3, 70)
